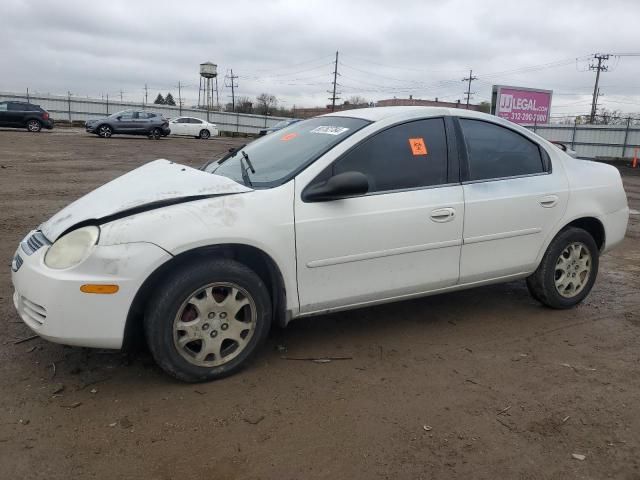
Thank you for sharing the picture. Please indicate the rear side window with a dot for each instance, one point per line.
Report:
(410, 155)
(3, 107)
(497, 152)
(195, 120)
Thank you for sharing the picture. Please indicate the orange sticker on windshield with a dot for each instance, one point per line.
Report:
(417, 146)
(288, 136)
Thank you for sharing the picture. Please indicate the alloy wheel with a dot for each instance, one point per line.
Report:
(214, 324)
(573, 269)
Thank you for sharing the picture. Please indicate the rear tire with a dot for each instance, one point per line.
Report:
(156, 134)
(204, 134)
(567, 271)
(34, 126)
(208, 320)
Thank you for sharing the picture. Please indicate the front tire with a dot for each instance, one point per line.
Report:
(204, 134)
(567, 271)
(105, 131)
(208, 320)
(34, 126)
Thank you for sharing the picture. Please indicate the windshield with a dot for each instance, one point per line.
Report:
(275, 158)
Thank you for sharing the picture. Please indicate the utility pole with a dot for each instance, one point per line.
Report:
(333, 97)
(179, 98)
(107, 104)
(469, 92)
(27, 94)
(120, 95)
(146, 94)
(598, 68)
(232, 83)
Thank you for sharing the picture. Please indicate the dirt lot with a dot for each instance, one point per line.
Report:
(478, 384)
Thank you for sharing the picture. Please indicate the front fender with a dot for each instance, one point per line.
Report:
(262, 219)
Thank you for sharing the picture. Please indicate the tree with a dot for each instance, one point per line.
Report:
(159, 100)
(265, 102)
(168, 100)
(484, 107)
(357, 100)
(244, 105)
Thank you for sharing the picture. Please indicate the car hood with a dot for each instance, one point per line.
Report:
(154, 185)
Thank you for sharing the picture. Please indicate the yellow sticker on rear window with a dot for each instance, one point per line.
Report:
(417, 146)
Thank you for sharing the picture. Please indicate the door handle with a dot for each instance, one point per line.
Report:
(549, 201)
(442, 215)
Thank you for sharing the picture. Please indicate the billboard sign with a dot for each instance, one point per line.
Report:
(521, 105)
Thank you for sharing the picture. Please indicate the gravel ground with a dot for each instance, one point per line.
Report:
(484, 383)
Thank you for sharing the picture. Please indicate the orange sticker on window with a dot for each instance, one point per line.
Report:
(288, 136)
(417, 146)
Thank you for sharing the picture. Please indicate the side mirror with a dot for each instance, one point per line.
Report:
(118, 118)
(343, 185)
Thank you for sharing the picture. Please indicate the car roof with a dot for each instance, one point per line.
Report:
(374, 114)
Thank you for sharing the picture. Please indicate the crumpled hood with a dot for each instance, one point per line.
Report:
(156, 183)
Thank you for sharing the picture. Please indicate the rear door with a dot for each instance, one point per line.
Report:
(513, 199)
(401, 238)
(16, 114)
(195, 125)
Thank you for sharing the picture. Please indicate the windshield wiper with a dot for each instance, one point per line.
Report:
(233, 151)
(243, 169)
(246, 157)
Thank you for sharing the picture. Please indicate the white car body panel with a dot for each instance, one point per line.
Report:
(157, 181)
(390, 239)
(262, 219)
(51, 304)
(331, 255)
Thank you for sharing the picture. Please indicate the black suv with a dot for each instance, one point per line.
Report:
(130, 122)
(24, 115)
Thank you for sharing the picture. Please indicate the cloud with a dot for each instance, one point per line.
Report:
(422, 48)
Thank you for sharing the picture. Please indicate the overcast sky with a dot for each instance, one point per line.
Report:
(387, 48)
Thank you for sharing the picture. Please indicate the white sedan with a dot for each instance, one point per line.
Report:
(336, 212)
(193, 127)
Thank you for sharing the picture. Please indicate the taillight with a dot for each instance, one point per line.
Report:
(45, 115)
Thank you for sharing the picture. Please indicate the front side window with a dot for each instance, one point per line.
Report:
(3, 107)
(410, 155)
(498, 152)
(183, 120)
(126, 115)
(278, 157)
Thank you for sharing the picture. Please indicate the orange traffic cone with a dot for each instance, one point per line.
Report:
(634, 164)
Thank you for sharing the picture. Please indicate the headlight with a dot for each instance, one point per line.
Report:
(73, 248)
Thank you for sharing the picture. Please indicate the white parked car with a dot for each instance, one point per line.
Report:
(336, 212)
(193, 127)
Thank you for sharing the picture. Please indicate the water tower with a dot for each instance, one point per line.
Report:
(208, 81)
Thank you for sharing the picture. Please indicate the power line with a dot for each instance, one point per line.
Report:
(469, 79)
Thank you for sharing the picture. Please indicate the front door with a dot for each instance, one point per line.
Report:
(125, 123)
(401, 238)
(513, 199)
